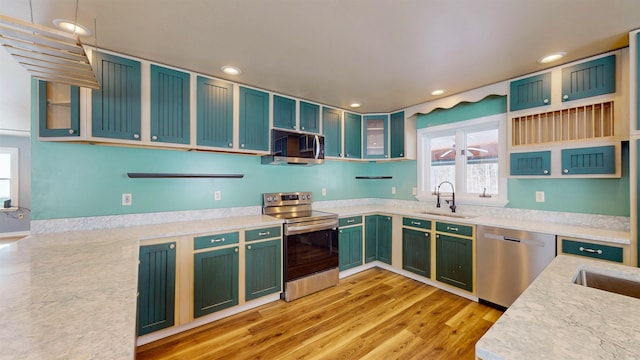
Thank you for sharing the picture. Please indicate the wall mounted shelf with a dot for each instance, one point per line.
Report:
(373, 177)
(183, 176)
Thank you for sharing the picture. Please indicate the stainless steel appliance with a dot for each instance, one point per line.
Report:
(508, 262)
(293, 148)
(310, 238)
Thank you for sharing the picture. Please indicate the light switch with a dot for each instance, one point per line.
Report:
(539, 196)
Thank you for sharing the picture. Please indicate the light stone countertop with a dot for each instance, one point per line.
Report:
(72, 295)
(557, 319)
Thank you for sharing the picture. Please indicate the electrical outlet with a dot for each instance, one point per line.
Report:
(127, 199)
(393, 190)
(324, 191)
(539, 196)
(414, 191)
(217, 195)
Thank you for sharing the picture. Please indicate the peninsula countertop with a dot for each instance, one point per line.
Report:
(557, 319)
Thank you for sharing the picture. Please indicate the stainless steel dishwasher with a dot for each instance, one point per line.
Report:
(509, 260)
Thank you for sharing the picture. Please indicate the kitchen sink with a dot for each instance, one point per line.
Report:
(453, 215)
(610, 283)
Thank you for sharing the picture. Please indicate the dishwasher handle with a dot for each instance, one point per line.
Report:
(530, 242)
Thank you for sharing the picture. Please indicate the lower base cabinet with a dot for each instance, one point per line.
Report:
(263, 269)
(215, 280)
(378, 234)
(156, 287)
(350, 247)
(416, 251)
(454, 261)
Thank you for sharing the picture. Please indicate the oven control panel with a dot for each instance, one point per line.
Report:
(288, 198)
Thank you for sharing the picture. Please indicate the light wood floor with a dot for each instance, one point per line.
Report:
(375, 314)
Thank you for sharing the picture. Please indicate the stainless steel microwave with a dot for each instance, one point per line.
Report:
(293, 148)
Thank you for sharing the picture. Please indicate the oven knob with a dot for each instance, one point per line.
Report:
(309, 196)
(268, 198)
(304, 197)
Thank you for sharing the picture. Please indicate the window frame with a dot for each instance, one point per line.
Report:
(424, 192)
(14, 183)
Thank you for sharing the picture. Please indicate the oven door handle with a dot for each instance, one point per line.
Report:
(299, 229)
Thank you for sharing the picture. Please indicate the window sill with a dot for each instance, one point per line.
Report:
(11, 209)
(468, 200)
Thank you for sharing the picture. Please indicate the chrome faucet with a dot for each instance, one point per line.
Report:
(453, 196)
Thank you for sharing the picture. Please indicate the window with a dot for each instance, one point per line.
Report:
(471, 155)
(8, 176)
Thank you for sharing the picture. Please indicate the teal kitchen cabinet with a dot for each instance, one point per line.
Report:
(350, 242)
(591, 78)
(284, 112)
(378, 236)
(263, 268)
(396, 139)
(170, 105)
(530, 163)
(156, 287)
(592, 250)
(590, 160)
(416, 251)
(115, 107)
(254, 119)
(332, 130)
(352, 135)
(309, 117)
(214, 109)
(454, 255)
(376, 136)
(58, 110)
(215, 280)
(530, 92)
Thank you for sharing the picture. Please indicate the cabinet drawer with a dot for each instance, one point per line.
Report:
(264, 233)
(419, 223)
(353, 220)
(464, 230)
(208, 241)
(596, 251)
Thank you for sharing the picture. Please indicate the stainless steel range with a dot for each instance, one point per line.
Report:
(310, 243)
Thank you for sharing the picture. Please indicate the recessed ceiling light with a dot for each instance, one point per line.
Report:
(355, 105)
(70, 26)
(552, 57)
(437, 92)
(230, 70)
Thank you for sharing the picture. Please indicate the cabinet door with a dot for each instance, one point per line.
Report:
(590, 78)
(454, 261)
(332, 129)
(58, 109)
(214, 113)
(396, 124)
(353, 136)
(416, 251)
(115, 107)
(592, 160)
(530, 92)
(169, 105)
(370, 238)
(156, 287)
(385, 233)
(263, 264)
(375, 129)
(531, 163)
(254, 119)
(284, 112)
(215, 280)
(309, 117)
(350, 247)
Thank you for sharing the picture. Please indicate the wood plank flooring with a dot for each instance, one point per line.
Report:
(375, 314)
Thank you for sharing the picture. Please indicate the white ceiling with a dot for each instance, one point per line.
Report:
(385, 54)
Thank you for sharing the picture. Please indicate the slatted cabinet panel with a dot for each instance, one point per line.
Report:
(214, 113)
(454, 261)
(169, 105)
(591, 78)
(350, 242)
(284, 112)
(353, 135)
(371, 238)
(254, 119)
(115, 107)
(156, 287)
(263, 269)
(530, 92)
(215, 280)
(309, 117)
(590, 160)
(416, 251)
(530, 163)
(332, 129)
(396, 128)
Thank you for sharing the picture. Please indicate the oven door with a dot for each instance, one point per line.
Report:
(310, 248)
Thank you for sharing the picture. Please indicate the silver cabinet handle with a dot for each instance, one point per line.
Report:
(241, 145)
(235, 250)
(546, 101)
(136, 136)
(566, 171)
(172, 246)
(426, 234)
(565, 97)
(248, 247)
(71, 131)
(302, 128)
(401, 154)
(230, 144)
(154, 138)
(593, 251)
(452, 228)
(213, 241)
(350, 221)
(545, 172)
(416, 223)
(264, 233)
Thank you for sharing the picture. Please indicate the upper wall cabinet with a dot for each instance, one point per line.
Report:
(634, 88)
(376, 138)
(214, 113)
(169, 105)
(396, 140)
(591, 78)
(58, 110)
(353, 135)
(254, 119)
(309, 117)
(332, 128)
(284, 112)
(530, 92)
(116, 105)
